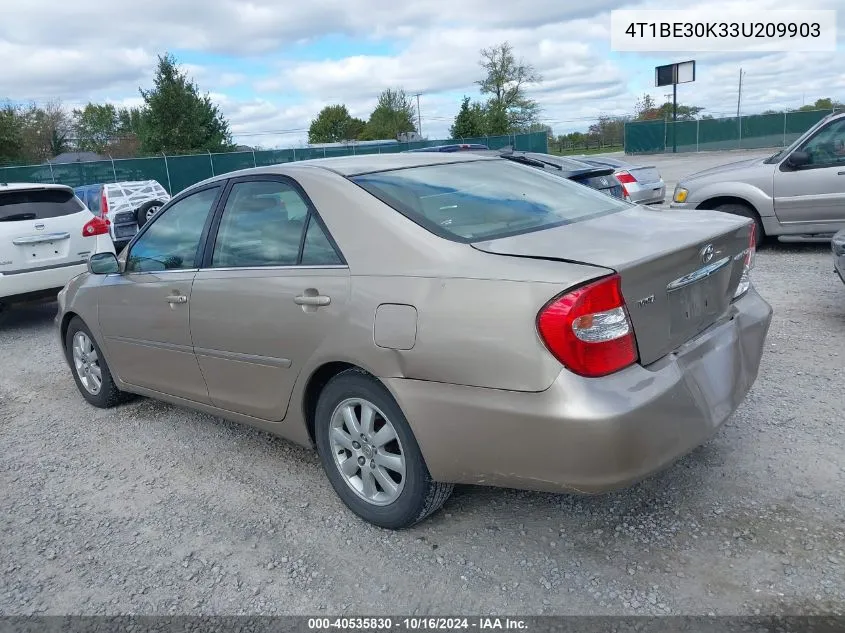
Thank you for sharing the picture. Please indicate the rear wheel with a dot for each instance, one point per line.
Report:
(146, 211)
(747, 212)
(90, 370)
(370, 454)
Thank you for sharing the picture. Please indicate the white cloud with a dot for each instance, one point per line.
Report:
(54, 49)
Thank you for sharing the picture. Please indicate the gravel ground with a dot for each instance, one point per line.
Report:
(153, 509)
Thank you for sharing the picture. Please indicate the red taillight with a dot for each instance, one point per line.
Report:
(96, 226)
(624, 177)
(588, 329)
(104, 205)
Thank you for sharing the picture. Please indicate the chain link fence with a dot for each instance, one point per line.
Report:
(748, 132)
(176, 173)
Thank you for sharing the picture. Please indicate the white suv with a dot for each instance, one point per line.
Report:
(46, 237)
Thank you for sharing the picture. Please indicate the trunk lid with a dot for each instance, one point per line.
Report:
(679, 270)
(645, 175)
(600, 179)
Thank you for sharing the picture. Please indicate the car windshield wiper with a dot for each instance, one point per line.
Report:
(534, 162)
(17, 216)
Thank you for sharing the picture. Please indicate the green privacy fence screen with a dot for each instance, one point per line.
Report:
(176, 173)
(748, 132)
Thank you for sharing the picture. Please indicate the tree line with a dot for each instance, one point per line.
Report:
(504, 107)
(175, 118)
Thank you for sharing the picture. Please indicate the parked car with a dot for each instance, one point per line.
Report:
(596, 177)
(642, 184)
(797, 194)
(838, 246)
(46, 236)
(429, 319)
(455, 147)
(127, 205)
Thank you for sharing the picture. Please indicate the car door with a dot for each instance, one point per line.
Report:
(144, 311)
(814, 193)
(272, 287)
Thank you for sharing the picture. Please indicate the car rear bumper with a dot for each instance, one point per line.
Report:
(29, 283)
(590, 435)
(647, 193)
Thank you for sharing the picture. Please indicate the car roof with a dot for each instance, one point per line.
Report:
(23, 186)
(350, 166)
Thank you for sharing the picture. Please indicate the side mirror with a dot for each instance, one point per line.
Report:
(798, 159)
(103, 264)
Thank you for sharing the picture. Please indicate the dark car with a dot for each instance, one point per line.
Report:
(600, 178)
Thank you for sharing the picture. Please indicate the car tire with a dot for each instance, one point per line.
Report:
(746, 212)
(349, 454)
(86, 363)
(145, 212)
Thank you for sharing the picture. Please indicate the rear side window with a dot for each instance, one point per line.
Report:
(486, 199)
(38, 204)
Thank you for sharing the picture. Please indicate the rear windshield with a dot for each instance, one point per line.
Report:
(37, 204)
(486, 199)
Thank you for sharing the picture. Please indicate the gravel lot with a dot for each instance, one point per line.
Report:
(154, 509)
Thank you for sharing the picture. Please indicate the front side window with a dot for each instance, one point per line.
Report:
(485, 199)
(827, 147)
(171, 242)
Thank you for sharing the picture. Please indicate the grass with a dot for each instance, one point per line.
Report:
(581, 151)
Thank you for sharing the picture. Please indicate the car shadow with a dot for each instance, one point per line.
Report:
(25, 315)
(772, 245)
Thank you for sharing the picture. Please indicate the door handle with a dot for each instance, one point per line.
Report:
(840, 173)
(177, 299)
(312, 300)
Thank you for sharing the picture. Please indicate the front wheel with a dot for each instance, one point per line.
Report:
(90, 370)
(746, 212)
(370, 454)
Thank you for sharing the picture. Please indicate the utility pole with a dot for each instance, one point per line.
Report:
(738, 106)
(674, 118)
(419, 116)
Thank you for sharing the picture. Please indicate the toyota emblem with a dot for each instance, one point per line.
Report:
(706, 254)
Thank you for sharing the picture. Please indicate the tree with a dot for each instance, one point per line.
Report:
(646, 109)
(95, 126)
(392, 116)
(11, 142)
(607, 131)
(470, 122)
(333, 124)
(177, 118)
(822, 104)
(44, 131)
(685, 112)
(498, 122)
(505, 82)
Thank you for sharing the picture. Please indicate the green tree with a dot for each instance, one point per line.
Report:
(95, 127)
(11, 142)
(393, 115)
(825, 103)
(505, 82)
(498, 122)
(470, 122)
(333, 124)
(646, 109)
(177, 118)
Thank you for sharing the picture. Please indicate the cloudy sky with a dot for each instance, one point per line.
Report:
(273, 64)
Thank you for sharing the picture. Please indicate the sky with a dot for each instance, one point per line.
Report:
(271, 65)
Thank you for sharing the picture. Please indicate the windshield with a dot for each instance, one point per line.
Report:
(37, 204)
(486, 199)
(776, 157)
